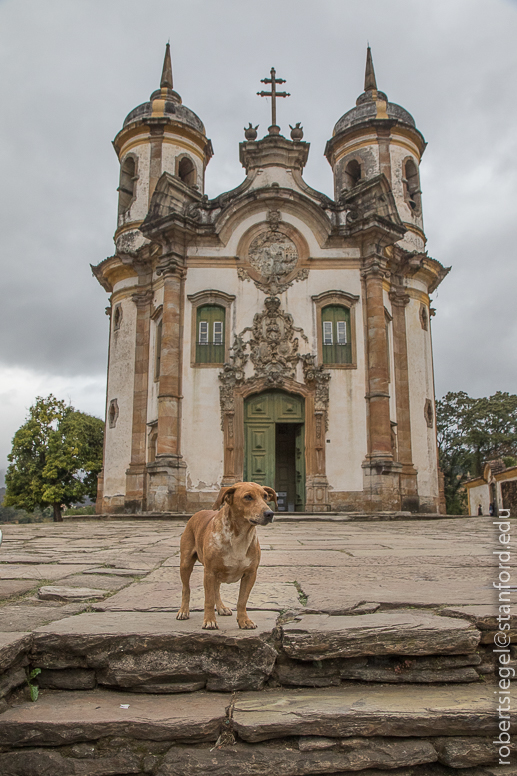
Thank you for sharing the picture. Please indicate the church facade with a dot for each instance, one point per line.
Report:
(273, 333)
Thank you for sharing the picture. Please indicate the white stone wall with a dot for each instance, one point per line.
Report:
(480, 495)
(421, 387)
(120, 387)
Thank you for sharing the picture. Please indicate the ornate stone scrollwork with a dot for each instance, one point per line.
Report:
(273, 345)
(316, 377)
(273, 349)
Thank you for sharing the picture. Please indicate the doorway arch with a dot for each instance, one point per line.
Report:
(274, 445)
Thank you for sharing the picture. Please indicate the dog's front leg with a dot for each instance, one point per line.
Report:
(247, 582)
(222, 610)
(209, 621)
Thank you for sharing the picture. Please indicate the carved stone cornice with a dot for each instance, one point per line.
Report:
(375, 266)
(171, 264)
(142, 298)
(399, 297)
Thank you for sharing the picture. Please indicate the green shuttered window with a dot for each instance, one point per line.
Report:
(337, 344)
(210, 334)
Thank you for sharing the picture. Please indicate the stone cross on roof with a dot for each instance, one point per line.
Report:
(273, 129)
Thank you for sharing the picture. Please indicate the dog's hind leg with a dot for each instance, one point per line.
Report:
(222, 610)
(186, 566)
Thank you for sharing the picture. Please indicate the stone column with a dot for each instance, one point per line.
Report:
(408, 475)
(167, 487)
(378, 369)
(381, 473)
(135, 474)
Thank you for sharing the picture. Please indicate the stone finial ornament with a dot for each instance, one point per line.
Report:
(297, 131)
(250, 133)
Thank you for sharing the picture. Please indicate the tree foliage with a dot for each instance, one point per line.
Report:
(471, 432)
(55, 457)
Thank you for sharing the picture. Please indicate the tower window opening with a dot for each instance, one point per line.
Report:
(411, 183)
(117, 317)
(353, 174)
(187, 171)
(127, 185)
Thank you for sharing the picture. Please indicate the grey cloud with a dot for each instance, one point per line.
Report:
(76, 69)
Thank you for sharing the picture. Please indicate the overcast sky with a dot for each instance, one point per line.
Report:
(72, 70)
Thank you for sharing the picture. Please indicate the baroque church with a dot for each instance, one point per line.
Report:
(271, 334)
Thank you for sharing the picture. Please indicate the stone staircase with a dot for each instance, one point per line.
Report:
(404, 691)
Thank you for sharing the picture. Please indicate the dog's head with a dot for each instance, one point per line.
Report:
(249, 500)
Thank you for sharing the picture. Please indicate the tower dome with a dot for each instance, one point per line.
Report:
(165, 102)
(158, 136)
(378, 136)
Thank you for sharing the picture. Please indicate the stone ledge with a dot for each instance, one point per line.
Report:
(366, 710)
(63, 718)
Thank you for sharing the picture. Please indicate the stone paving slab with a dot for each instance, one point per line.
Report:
(386, 564)
(320, 637)
(24, 617)
(380, 710)
(62, 718)
(38, 571)
(166, 597)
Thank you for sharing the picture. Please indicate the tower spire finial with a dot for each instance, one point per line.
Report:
(369, 75)
(166, 82)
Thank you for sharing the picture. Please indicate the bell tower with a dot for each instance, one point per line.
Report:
(377, 137)
(161, 135)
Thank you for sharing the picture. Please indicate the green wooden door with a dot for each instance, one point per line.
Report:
(263, 415)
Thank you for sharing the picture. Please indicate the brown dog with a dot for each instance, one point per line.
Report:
(226, 543)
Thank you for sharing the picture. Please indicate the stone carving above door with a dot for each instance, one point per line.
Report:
(273, 254)
(273, 349)
(272, 258)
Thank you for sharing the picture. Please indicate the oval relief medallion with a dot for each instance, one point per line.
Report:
(273, 254)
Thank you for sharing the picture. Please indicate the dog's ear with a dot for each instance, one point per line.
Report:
(222, 497)
(272, 495)
(228, 496)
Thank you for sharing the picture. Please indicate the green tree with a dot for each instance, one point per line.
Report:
(471, 432)
(55, 458)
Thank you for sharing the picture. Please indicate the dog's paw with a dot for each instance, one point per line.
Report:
(224, 612)
(246, 624)
(182, 615)
(210, 625)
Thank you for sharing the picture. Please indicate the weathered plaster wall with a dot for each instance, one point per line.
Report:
(421, 387)
(120, 387)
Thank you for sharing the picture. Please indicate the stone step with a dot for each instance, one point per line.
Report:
(288, 733)
(154, 652)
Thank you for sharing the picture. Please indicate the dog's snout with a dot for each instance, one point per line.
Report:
(269, 515)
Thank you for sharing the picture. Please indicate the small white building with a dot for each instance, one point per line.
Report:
(495, 490)
(270, 334)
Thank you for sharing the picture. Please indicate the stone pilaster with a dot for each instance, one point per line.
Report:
(135, 500)
(408, 475)
(167, 486)
(381, 480)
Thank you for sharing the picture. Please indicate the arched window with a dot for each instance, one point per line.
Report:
(412, 185)
(210, 334)
(187, 171)
(127, 185)
(336, 335)
(352, 174)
